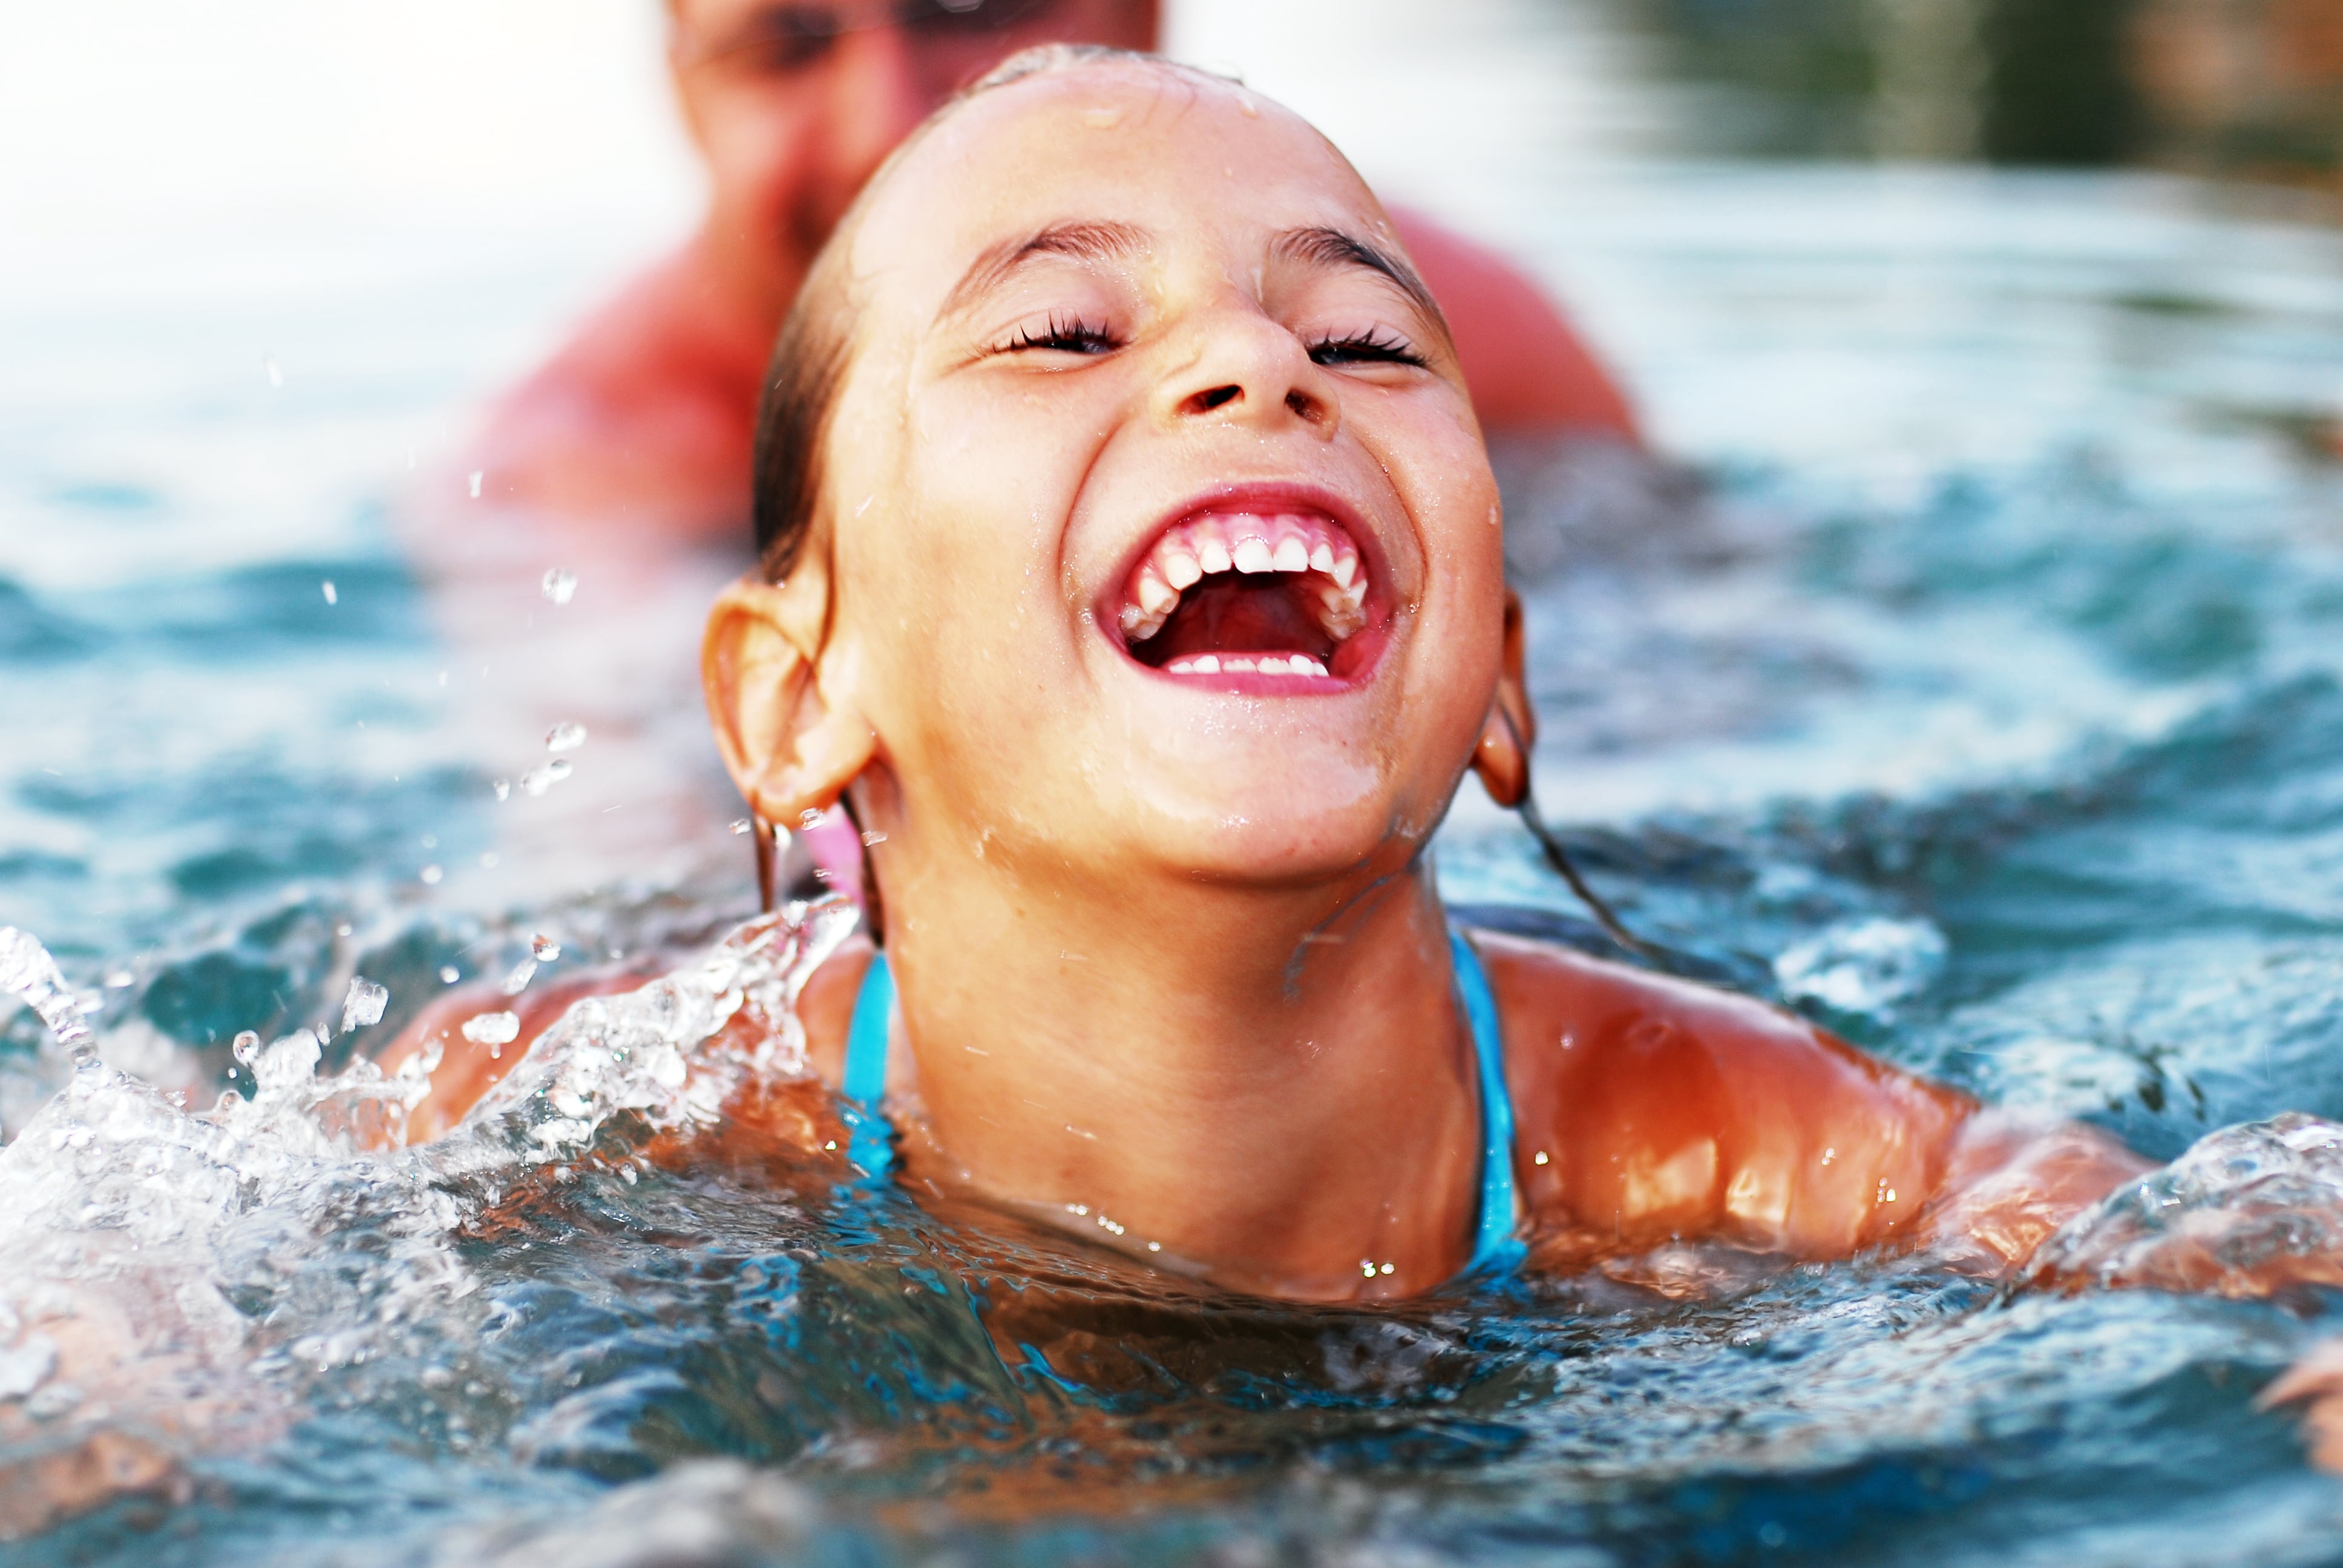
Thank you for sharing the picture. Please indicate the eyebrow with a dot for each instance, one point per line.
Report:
(1081, 241)
(1331, 247)
(1316, 245)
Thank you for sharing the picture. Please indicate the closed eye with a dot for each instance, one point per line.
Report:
(1374, 347)
(1064, 334)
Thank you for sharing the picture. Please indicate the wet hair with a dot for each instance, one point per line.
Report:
(808, 364)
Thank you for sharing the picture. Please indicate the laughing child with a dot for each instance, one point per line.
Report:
(1131, 568)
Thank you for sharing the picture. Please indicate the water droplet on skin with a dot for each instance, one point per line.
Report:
(739, 824)
(537, 780)
(566, 736)
(545, 949)
(331, 597)
(559, 585)
(1102, 119)
(362, 1007)
(869, 840)
(808, 818)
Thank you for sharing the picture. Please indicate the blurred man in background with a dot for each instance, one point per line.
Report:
(643, 421)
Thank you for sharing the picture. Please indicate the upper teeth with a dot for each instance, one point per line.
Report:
(1247, 542)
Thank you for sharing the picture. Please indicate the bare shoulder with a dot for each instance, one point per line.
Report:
(1551, 993)
(1650, 1104)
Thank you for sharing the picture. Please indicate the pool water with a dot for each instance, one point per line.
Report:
(1977, 687)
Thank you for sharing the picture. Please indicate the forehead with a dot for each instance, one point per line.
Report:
(1177, 155)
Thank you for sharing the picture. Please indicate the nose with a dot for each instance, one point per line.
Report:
(1248, 369)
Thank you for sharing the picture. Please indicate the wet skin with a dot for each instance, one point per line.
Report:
(644, 419)
(1166, 944)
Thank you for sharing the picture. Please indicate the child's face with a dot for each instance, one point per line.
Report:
(1143, 393)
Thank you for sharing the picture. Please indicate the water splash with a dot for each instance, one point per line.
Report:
(28, 973)
(362, 1007)
(567, 735)
(538, 779)
(2245, 1210)
(188, 1274)
(492, 1029)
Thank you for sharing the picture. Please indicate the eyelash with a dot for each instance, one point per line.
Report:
(1372, 347)
(1068, 335)
(1071, 335)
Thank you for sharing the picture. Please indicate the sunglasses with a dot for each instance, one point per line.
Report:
(793, 36)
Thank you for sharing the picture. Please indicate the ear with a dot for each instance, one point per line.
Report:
(1502, 757)
(790, 744)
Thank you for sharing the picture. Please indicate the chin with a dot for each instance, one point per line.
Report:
(1289, 830)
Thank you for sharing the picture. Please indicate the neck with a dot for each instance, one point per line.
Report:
(1271, 1088)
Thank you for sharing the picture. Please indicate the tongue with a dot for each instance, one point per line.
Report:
(1240, 613)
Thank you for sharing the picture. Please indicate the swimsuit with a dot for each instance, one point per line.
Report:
(1496, 1248)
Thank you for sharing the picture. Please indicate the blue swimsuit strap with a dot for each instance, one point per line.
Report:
(1496, 1248)
(870, 1136)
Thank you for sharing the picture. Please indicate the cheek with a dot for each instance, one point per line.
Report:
(980, 631)
(1441, 470)
(1445, 482)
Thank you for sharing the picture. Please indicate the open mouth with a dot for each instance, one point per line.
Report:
(1236, 592)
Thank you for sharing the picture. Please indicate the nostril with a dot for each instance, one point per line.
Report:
(1206, 401)
(1302, 404)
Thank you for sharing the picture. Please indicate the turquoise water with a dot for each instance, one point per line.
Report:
(1978, 686)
